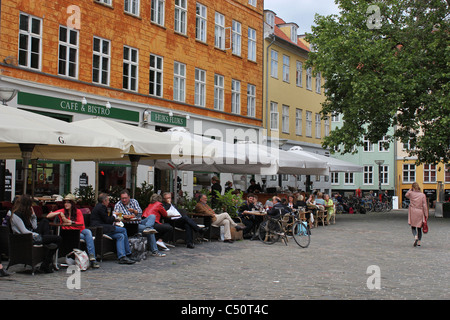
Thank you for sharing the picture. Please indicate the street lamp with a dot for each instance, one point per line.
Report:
(379, 163)
(7, 94)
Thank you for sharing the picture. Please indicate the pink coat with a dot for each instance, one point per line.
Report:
(418, 208)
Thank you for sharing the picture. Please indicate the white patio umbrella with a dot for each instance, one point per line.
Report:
(30, 135)
(146, 144)
(334, 165)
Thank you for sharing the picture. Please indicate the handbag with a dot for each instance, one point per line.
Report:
(79, 258)
(425, 226)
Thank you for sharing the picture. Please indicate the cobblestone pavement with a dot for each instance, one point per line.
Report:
(334, 266)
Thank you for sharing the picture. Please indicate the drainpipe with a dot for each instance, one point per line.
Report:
(267, 87)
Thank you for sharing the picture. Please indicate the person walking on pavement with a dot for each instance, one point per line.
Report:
(417, 212)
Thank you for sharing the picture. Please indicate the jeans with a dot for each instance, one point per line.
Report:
(149, 222)
(86, 235)
(122, 244)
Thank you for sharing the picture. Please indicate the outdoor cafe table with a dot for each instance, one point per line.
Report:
(255, 225)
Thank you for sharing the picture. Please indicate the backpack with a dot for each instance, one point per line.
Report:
(138, 247)
(79, 258)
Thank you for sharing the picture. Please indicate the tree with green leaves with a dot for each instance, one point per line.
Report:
(386, 65)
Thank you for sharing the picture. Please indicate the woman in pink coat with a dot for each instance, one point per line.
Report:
(418, 211)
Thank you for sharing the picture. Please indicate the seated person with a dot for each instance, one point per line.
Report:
(70, 214)
(126, 205)
(222, 219)
(100, 218)
(254, 187)
(24, 221)
(156, 209)
(247, 219)
(278, 208)
(181, 220)
(320, 202)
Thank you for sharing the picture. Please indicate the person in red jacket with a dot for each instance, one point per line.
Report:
(164, 230)
(71, 215)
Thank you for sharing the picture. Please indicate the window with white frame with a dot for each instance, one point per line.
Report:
(236, 30)
(384, 172)
(180, 16)
(368, 175)
(235, 96)
(285, 119)
(299, 74)
(318, 82)
(252, 2)
(179, 81)
(108, 2)
(334, 178)
(318, 126)
(367, 145)
(382, 143)
(157, 12)
(30, 41)
(130, 68)
(429, 173)
(308, 124)
(156, 75)
(335, 117)
(68, 52)
(273, 116)
(270, 18)
(218, 92)
(251, 100)
(294, 34)
(251, 44)
(219, 31)
(447, 173)
(274, 63)
(349, 178)
(101, 61)
(132, 7)
(298, 122)
(200, 22)
(409, 173)
(286, 66)
(309, 78)
(200, 87)
(326, 124)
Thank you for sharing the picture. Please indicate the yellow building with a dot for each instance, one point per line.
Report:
(427, 175)
(292, 95)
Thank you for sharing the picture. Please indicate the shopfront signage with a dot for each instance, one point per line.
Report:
(167, 119)
(36, 100)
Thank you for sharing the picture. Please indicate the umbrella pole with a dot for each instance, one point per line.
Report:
(96, 181)
(33, 176)
(134, 164)
(26, 149)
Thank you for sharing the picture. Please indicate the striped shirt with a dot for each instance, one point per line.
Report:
(120, 207)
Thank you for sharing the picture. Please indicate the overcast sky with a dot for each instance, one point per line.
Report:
(301, 11)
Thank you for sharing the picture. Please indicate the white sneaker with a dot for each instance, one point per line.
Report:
(162, 245)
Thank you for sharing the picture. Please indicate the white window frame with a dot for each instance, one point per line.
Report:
(274, 116)
(274, 64)
(31, 36)
(429, 173)
(334, 178)
(219, 31)
(409, 172)
(309, 78)
(326, 126)
(133, 64)
(104, 61)
(236, 38)
(349, 178)
(286, 67)
(251, 100)
(179, 81)
(335, 117)
(132, 7)
(156, 75)
(201, 22)
(318, 83)
(384, 173)
(235, 96)
(318, 126)
(308, 132)
(219, 88)
(367, 145)
(447, 173)
(252, 2)
(285, 118)
(157, 12)
(69, 49)
(107, 2)
(299, 74)
(380, 145)
(368, 175)
(298, 122)
(251, 55)
(294, 34)
(200, 87)
(180, 24)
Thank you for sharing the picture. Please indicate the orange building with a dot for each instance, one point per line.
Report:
(152, 63)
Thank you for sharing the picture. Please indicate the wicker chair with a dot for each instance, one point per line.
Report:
(22, 250)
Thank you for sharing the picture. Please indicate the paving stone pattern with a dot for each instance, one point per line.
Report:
(334, 266)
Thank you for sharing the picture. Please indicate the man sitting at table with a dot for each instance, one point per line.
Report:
(247, 219)
(217, 220)
(278, 208)
(127, 206)
(181, 220)
(100, 218)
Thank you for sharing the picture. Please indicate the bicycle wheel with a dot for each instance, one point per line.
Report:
(301, 234)
(269, 231)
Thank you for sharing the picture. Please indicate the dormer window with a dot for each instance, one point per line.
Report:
(294, 34)
(270, 18)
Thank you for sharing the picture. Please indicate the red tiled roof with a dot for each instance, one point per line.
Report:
(279, 33)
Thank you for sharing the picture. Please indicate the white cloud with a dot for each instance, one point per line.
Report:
(301, 12)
